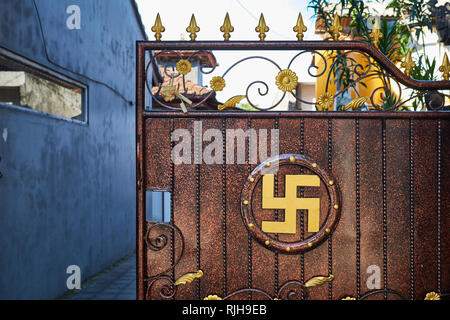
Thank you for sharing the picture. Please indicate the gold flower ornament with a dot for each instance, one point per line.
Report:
(183, 66)
(286, 80)
(325, 101)
(217, 83)
(169, 92)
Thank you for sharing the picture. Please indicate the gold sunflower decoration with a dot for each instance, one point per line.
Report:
(325, 101)
(286, 80)
(183, 66)
(217, 83)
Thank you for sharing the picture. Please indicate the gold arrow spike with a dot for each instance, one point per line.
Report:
(336, 28)
(375, 36)
(158, 28)
(408, 64)
(227, 28)
(262, 28)
(445, 67)
(300, 27)
(193, 28)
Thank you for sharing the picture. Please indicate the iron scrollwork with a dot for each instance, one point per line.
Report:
(383, 97)
(283, 292)
(157, 241)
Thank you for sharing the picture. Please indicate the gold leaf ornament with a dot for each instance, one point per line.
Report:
(432, 296)
(348, 298)
(188, 278)
(318, 281)
(217, 83)
(356, 103)
(286, 80)
(231, 103)
(183, 66)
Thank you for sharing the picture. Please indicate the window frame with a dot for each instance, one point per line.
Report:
(48, 74)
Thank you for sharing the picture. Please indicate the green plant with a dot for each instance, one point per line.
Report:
(412, 19)
(424, 70)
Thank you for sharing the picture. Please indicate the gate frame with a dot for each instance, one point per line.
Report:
(144, 46)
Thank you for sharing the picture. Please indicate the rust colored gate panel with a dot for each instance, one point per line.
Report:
(211, 220)
(371, 214)
(264, 263)
(398, 206)
(343, 240)
(185, 215)
(425, 206)
(392, 172)
(316, 142)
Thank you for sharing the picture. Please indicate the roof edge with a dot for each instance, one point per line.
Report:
(139, 19)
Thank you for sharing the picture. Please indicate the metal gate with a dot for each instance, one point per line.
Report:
(348, 195)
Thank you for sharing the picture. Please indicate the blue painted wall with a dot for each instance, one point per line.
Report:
(67, 195)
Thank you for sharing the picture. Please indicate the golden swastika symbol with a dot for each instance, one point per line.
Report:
(290, 203)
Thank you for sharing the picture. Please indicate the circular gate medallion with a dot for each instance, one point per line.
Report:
(274, 194)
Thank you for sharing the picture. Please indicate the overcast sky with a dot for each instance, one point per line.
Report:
(280, 16)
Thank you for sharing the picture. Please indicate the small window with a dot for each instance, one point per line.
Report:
(39, 89)
(158, 206)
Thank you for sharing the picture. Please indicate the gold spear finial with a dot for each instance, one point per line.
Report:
(408, 64)
(376, 34)
(227, 28)
(193, 28)
(262, 28)
(336, 28)
(445, 67)
(300, 27)
(158, 28)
